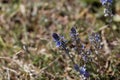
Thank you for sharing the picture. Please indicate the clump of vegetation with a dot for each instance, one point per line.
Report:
(86, 33)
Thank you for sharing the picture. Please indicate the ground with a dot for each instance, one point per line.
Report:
(27, 49)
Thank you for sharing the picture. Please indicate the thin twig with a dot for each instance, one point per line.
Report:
(50, 64)
(106, 48)
(9, 69)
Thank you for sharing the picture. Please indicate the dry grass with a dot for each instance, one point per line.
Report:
(27, 51)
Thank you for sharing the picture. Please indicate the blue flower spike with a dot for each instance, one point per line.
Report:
(59, 40)
(81, 70)
(74, 35)
(84, 72)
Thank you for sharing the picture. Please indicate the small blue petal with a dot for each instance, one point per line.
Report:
(83, 46)
(55, 37)
(82, 70)
(58, 44)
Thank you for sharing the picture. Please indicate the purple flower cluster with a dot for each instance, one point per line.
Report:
(95, 41)
(61, 43)
(107, 8)
(59, 40)
(104, 2)
(74, 34)
(81, 70)
(79, 47)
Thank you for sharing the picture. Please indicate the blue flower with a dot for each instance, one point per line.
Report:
(56, 39)
(58, 43)
(97, 38)
(81, 70)
(83, 46)
(84, 72)
(59, 40)
(73, 32)
(106, 1)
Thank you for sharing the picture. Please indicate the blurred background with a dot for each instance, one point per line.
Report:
(27, 50)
